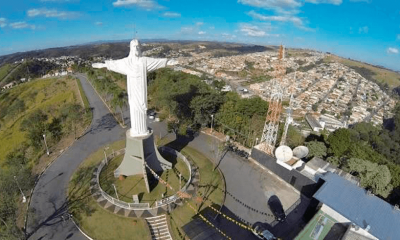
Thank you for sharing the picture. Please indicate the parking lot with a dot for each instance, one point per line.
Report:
(249, 188)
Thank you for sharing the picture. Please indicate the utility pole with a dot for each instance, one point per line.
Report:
(289, 111)
(23, 196)
(105, 155)
(45, 143)
(212, 122)
(180, 181)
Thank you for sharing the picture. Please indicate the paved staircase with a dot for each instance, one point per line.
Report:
(159, 228)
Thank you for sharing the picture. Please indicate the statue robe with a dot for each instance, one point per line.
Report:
(136, 69)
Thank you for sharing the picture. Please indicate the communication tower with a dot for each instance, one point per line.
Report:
(289, 112)
(270, 132)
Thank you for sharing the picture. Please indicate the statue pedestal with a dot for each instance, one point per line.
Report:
(138, 150)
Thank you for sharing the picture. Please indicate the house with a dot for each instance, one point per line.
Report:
(349, 212)
(226, 88)
(314, 124)
(8, 86)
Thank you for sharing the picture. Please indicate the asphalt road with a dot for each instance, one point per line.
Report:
(48, 201)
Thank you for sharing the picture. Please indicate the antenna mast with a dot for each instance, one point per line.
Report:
(270, 132)
(289, 112)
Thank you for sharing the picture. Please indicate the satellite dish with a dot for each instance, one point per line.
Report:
(300, 151)
(283, 153)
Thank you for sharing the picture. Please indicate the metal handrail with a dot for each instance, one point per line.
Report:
(144, 206)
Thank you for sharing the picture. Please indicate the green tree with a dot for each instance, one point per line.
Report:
(294, 137)
(203, 106)
(55, 128)
(341, 140)
(218, 84)
(16, 108)
(314, 107)
(35, 126)
(72, 115)
(335, 161)
(120, 100)
(316, 149)
(372, 176)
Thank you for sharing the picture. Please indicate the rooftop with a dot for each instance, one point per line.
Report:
(322, 227)
(363, 209)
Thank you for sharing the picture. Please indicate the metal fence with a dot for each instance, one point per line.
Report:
(142, 206)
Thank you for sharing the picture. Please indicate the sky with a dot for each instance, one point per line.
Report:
(366, 30)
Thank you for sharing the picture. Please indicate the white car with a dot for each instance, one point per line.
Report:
(152, 115)
(263, 233)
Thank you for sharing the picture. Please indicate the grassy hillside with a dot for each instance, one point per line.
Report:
(4, 70)
(16, 105)
(369, 72)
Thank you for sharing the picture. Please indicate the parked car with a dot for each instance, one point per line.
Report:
(277, 209)
(152, 115)
(262, 233)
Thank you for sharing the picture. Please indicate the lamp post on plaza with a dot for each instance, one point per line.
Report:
(115, 189)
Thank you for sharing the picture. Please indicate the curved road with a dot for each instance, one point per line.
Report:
(48, 203)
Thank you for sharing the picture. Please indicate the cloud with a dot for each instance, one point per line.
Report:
(272, 4)
(3, 22)
(335, 2)
(51, 13)
(187, 29)
(98, 23)
(398, 36)
(228, 36)
(251, 30)
(60, 1)
(364, 29)
(171, 14)
(22, 25)
(201, 33)
(148, 4)
(392, 50)
(293, 19)
(367, 1)
(199, 24)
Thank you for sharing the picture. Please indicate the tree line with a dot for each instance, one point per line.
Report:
(113, 95)
(367, 152)
(189, 103)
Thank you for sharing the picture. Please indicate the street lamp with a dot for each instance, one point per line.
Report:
(212, 121)
(180, 181)
(105, 154)
(23, 196)
(255, 143)
(115, 189)
(45, 143)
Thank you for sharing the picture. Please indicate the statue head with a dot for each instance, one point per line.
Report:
(135, 49)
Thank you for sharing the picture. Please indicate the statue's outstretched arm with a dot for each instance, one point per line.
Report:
(172, 62)
(99, 65)
(118, 66)
(156, 63)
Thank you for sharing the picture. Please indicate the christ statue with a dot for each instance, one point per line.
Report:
(135, 67)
